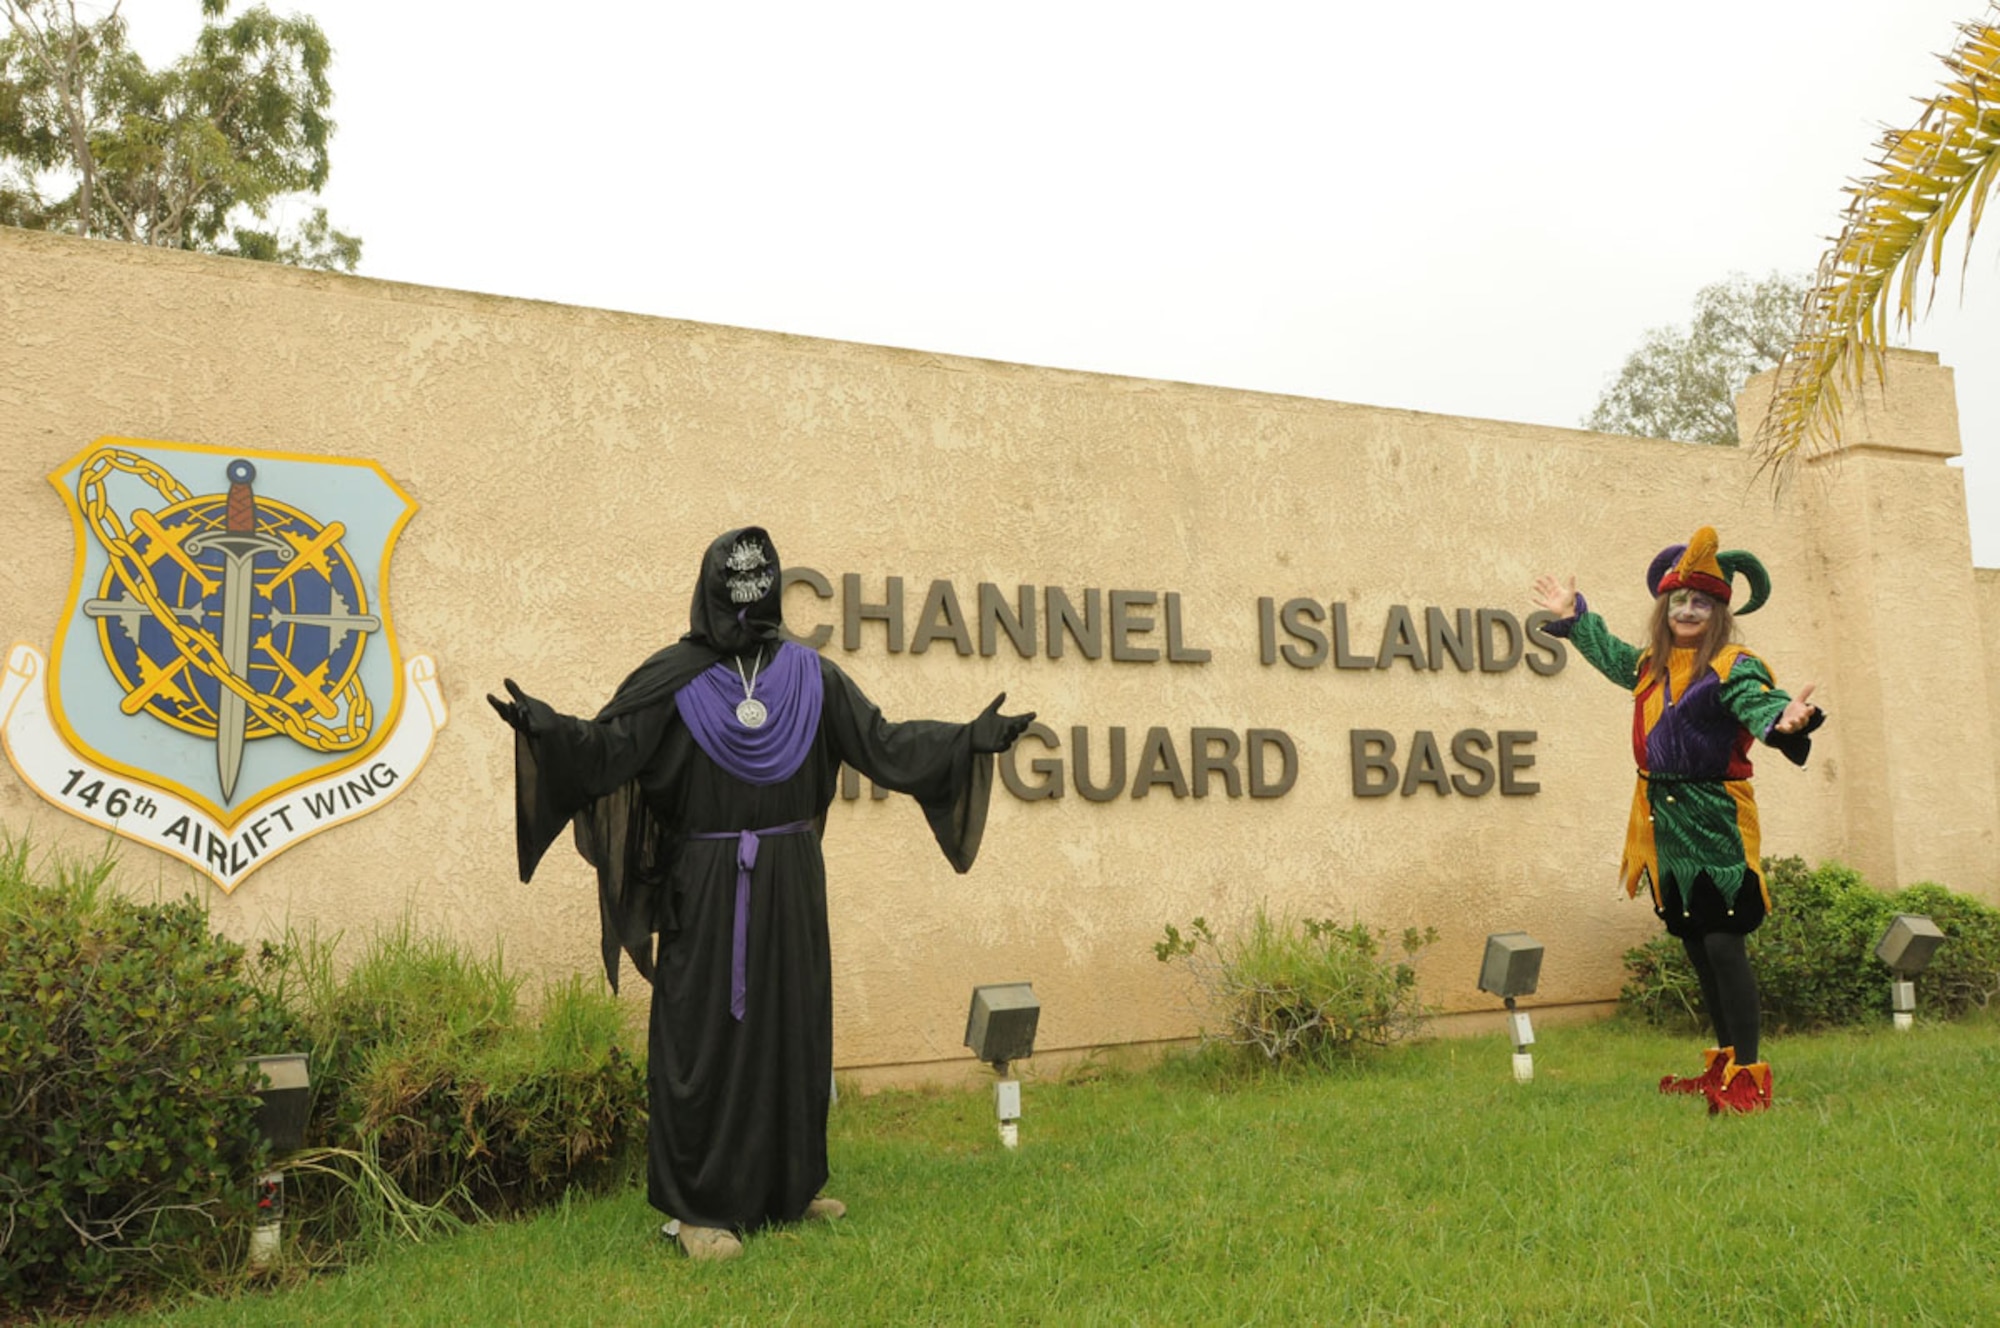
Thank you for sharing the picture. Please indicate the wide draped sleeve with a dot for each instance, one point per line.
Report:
(585, 772)
(930, 760)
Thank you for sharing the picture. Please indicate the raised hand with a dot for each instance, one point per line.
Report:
(1557, 597)
(515, 712)
(995, 732)
(1800, 712)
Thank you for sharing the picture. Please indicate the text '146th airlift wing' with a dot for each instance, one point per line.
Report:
(225, 680)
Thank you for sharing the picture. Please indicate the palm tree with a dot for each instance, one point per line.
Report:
(1926, 179)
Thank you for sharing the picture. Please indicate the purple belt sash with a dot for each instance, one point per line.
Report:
(746, 858)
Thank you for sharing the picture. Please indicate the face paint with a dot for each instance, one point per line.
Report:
(1689, 613)
(1689, 604)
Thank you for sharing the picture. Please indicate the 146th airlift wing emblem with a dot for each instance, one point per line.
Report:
(224, 680)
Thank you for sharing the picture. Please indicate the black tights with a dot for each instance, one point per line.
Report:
(1728, 990)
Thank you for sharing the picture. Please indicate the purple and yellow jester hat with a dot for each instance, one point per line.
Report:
(1697, 565)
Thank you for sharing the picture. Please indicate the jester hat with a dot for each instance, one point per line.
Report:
(1697, 565)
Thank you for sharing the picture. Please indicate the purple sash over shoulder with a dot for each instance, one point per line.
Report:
(788, 685)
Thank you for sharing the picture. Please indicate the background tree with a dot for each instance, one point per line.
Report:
(191, 156)
(1928, 177)
(1682, 382)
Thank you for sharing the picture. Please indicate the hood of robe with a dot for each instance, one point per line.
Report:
(738, 598)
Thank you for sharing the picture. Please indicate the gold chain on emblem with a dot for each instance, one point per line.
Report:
(201, 651)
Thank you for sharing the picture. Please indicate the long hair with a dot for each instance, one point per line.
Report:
(1660, 634)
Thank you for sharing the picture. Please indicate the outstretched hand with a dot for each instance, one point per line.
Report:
(995, 732)
(1800, 712)
(515, 712)
(1557, 597)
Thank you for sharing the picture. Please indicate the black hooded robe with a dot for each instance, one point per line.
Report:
(737, 1133)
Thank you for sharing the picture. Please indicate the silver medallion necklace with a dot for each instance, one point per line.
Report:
(750, 712)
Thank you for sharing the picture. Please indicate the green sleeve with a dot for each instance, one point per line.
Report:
(1749, 694)
(1607, 654)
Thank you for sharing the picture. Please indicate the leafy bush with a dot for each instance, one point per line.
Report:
(1302, 991)
(127, 1152)
(1805, 955)
(1814, 957)
(428, 1076)
(126, 1144)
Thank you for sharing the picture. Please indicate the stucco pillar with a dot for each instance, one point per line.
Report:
(1987, 580)
(1901, 633)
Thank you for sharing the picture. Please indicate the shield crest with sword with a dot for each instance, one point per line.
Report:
(225, 680)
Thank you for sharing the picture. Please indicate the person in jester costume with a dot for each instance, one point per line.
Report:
(699, 793)
(1699, 700)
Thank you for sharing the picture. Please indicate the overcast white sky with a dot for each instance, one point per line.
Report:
(1469, 208)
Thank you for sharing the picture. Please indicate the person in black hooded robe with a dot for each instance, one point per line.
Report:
(699, 793)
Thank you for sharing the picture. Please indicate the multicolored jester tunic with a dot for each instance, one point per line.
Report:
(1692, 809)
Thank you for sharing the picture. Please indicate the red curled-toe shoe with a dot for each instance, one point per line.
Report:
(1744, 1088)
(1714, 1061)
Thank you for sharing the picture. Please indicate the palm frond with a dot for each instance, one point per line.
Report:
(1890, 250)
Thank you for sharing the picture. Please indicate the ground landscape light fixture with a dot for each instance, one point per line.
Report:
(1906, 946)
(283, 1096)
(1512, 967)
(1000, 1028)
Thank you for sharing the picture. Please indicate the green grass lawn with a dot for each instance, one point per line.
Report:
(1426, 1187)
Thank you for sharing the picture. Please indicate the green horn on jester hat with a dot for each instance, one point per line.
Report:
(1697, 565)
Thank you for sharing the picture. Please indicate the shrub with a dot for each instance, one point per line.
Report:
(1660, 985)
(1815, 955)
(427, 1074)
(1302, 991)
(126, 1144)
(127, 1151)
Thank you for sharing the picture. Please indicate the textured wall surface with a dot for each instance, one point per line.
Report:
(571, 465)
(1986, 581)
(1901, 610)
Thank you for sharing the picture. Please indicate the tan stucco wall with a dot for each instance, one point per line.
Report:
(572, 464)
(1986, 582)
(1901, 607)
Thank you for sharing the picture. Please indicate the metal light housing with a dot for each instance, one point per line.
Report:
(283, 1096)
(1908, 943)
(1000, 1027)
(1513, 964)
